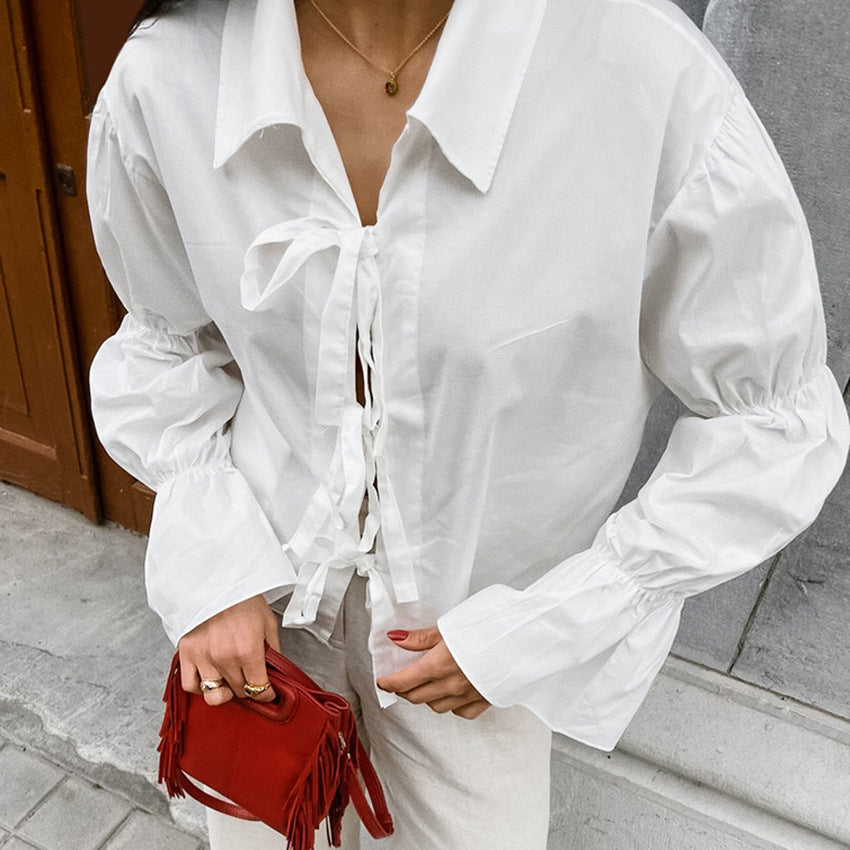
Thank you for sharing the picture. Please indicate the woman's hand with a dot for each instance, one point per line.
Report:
(435, 679)
(230, 646)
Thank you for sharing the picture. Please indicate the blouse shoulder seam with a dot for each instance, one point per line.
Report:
(701, 169)
(129, 159)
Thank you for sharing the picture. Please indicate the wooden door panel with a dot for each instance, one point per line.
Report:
(42, 446)
(74, 44)
(56, 306)
(13, 396)
(21, 246)
(21, 253)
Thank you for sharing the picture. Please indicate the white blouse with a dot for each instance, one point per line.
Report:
(582, 208)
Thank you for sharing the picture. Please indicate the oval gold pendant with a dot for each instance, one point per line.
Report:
(391, 86)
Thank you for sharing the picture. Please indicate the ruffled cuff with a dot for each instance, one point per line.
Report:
(579, 648)
(210, 547)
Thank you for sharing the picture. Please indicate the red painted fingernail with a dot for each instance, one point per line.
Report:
(398, 635)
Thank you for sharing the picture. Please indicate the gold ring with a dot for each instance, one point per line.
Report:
(208, 685)
(255, 690)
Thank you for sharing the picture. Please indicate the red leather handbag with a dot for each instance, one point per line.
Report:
(291, 763)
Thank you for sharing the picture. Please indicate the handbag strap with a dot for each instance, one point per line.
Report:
(223, 806)
(372, 809)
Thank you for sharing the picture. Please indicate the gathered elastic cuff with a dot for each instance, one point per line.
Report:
(210, 547)
(579, 648)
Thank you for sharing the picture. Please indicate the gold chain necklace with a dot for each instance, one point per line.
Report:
(391, 85)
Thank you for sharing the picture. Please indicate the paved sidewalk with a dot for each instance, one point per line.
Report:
(46, 805)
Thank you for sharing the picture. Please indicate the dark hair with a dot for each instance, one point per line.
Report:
(148, 10)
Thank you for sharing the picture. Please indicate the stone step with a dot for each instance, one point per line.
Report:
(709, 763)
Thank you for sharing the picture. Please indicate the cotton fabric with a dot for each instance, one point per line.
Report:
(425, 760)
(582, 209)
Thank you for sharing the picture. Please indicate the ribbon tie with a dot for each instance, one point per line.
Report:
(293, 243)
(328, 536)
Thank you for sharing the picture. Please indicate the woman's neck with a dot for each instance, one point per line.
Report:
(383, 26)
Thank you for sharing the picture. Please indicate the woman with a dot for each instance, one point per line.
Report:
(403, 280)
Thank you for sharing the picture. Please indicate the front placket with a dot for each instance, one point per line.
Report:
(328, 538)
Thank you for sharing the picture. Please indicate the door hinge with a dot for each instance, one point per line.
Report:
(67, 179)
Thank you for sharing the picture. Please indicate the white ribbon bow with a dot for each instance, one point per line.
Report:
(324, 535)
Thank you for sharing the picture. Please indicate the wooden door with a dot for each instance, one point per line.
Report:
(44, 438)
(73, 43)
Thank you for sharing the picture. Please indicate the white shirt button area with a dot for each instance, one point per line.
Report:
(329, 535)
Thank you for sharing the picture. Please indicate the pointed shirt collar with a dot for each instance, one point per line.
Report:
(466, 103)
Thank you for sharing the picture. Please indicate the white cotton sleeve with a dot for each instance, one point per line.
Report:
(164, 389)
(732, 323)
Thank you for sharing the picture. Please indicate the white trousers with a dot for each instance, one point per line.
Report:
(451, 784)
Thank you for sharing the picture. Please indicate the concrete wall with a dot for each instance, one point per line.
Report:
(694, 8)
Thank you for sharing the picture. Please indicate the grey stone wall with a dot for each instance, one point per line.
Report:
(694, 8)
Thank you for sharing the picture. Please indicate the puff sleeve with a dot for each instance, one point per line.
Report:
(732, 322)
(163, 390)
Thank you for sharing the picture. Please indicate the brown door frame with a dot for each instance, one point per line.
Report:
(50, 450)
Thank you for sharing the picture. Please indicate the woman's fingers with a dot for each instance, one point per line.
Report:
(230, 666)
(189, 677)
(207, 674)
(434, 665)
(230, 646)
(464, 707)
(272, 635)
(219, 696)
(416, 640)
(436, 668)
(442, 700)
(254, 673)
(435, 680)
(472, 710)
(452, 687)
(232, 669)
(240, 665)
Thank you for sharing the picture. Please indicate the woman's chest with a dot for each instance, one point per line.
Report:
(449, 274)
